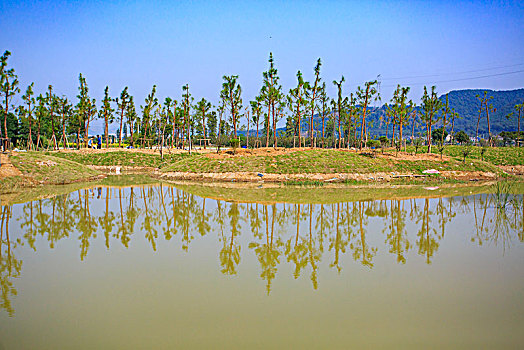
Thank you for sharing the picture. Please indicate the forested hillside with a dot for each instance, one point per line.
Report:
(467, 106)
(465, 103)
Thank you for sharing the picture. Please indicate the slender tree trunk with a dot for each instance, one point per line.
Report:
(323, 121)
(452, 128)
(339, 130)
(30, 137)
(478, 123)
(400, 133)
(443, 130)
(131, 127)
(87, 130)
(489, 125)
(257, 127)
(121, 122)
(219, 131)
(364, 117)
(334, 132)
(268, 124)
(517, 144)
(413, 129)
(429, 124)
(274, 125)
(63, 131)
(162, 144)
(53, 135)
(106, 130)
(299, 126)
(5, 115)
(77, 138)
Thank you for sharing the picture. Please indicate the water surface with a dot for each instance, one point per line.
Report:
(157, 266)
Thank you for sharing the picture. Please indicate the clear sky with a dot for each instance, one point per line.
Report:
(170, 43)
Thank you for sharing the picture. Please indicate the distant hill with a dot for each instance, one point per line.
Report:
(465, 104)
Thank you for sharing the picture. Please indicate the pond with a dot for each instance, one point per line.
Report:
(163, 266)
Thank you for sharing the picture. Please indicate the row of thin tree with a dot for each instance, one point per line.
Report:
(47, 120)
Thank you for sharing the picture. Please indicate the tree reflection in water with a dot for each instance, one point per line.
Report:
(276, 234)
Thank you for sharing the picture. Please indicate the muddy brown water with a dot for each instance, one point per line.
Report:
(159, 267)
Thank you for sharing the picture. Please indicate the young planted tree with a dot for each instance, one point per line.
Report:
(52, 106)
(324, 102)
(364, 98)
(151, 103)
(401, 115)
(163, 121)
(220, 111)
(41, 113)
(91, 114)
(106, 113)
(518, 109)
(445, 112)
(66, 112)
(8, 89)
(174, 121)
(203, 108)
(256, 109)
(481, 105)
(414, 114)
(247, 130)
(430, 106)
(187, 101)
(212, 125)
(313, 94)
(489, 108)
(121, 110)
(271, 93)
(390, 119)
(454, 115)
(132, 118)
(352, 115)
(339, 105)
(86, 109)
(28, 112)
(296, 103)
(232, 99)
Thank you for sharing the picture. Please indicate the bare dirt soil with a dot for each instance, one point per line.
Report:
(327, 178)
(6, 168)
(513, 169)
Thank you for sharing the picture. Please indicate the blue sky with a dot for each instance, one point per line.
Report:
(141, 43)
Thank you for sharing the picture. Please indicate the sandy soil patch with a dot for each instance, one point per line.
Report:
(513, 169)
(7, 169)
(327, 178)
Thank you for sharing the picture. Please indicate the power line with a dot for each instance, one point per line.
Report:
(463, 72)
(461, 79)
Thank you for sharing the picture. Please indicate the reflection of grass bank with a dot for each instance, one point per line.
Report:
(273, 192)
(332, 193)
(39, 192)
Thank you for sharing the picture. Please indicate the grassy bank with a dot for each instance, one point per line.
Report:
(322, 162)
(493, 155)
(37, 168)
(121, 158)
